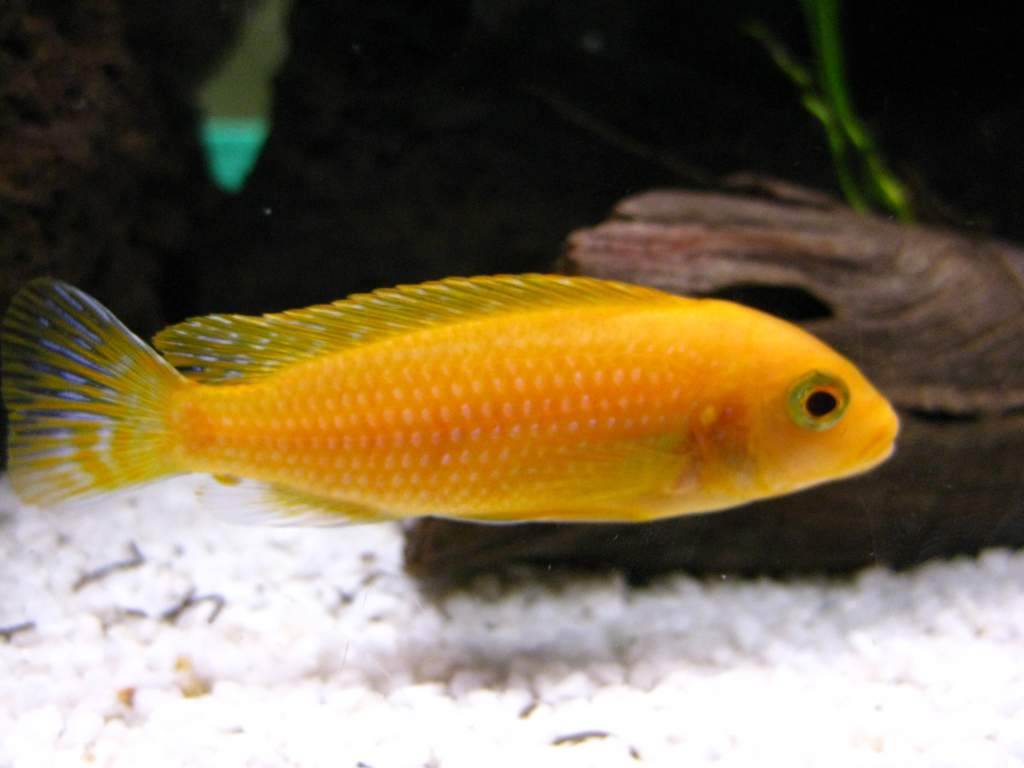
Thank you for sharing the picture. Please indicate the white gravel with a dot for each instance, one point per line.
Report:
(325, 654)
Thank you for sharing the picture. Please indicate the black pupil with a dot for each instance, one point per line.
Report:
(821, 403)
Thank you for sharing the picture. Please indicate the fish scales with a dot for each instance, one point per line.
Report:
(483, 415)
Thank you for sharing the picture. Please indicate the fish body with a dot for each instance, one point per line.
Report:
(512, 398)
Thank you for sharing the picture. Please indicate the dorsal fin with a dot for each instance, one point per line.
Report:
(244, 348)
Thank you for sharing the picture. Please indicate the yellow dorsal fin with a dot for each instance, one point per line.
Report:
(243, 348)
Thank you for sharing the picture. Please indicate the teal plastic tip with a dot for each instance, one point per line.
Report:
(232, 146)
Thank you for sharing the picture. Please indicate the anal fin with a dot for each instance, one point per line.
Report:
(254, 502)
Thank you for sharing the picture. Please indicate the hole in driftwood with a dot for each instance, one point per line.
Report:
(786, 301)
(940, 417)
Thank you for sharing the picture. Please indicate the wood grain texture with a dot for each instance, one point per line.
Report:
(936, 319)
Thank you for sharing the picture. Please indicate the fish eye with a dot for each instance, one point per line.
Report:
(820, 403)
(817, 400)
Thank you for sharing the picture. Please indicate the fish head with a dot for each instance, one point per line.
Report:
(816, 418)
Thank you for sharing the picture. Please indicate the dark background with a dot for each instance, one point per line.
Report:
(415, 140)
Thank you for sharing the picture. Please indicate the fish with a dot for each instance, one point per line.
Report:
(501, 399)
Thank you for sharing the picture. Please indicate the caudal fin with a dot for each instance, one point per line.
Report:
(86, 398)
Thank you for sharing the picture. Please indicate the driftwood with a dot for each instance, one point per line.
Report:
(935, 318)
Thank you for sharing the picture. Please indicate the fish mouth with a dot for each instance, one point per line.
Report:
(881, 445)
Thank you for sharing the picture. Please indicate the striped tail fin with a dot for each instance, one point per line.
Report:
(86, 398)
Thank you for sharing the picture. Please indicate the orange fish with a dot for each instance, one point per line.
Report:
(511, 398)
